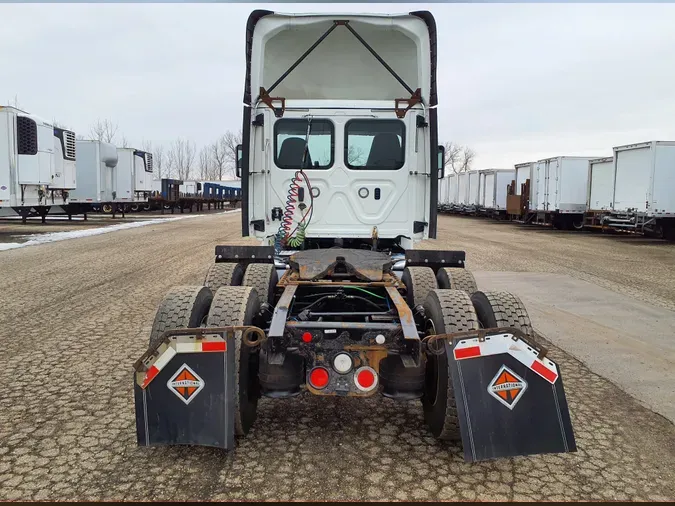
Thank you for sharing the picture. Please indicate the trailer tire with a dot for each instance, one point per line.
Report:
(107, 208)
(183, 307)
(502, 309)
(239, 305)
(223, 274)
(264, 278)
(134, 208)
(447, 311)
(456, 278)
(418, 281)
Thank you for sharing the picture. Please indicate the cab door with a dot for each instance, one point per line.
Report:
(359, 169)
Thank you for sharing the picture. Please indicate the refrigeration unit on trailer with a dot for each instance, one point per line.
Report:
(64, 171)
(559, 192)
(339, 182)
(644, 188)
(95, 166)
(494, 190)
(26, 152)
(143, 173)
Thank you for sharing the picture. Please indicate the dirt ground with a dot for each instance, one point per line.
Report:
(641, 267)
(77, 313)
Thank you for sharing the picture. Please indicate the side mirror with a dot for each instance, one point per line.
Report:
(441, 162)
(240, 155)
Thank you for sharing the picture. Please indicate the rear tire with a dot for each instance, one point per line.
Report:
(448, 311)
(264, 278)
(223, 274)
(502, 309)
(418, 281)
(183, 307)
(456, 278)
(239, 305)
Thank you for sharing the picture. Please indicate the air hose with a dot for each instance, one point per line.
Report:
(295, 237)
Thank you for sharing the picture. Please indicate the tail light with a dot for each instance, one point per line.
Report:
(318, 377)
(365, 379)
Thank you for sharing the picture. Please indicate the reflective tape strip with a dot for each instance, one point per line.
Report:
(149, 376)
(189, 347)
(164, 358)
(507, 343)
(214, 346)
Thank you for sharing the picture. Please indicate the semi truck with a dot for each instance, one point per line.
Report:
(339, 181)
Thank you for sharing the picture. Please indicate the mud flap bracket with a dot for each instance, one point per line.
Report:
(510, 400)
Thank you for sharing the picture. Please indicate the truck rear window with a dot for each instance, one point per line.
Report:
(374, 144)
(290, 137)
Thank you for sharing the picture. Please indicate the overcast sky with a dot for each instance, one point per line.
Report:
(516, 81)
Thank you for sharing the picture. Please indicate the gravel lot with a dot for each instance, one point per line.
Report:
(77, 313)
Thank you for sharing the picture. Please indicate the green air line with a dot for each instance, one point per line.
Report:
(366, 291)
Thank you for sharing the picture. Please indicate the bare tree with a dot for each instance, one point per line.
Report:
(158, 160)
(124, 143)
(458, 157)
(224, 152)
(205, 163)
(452, 156)
(80, 137)
(103, 130)
(181, 156)
(354, 154)
(219, 159)
(466, 159)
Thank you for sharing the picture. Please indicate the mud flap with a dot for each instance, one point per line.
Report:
(509, 401)
(184, 392)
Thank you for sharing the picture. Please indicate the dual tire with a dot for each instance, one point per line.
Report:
(452, 303)
(221, 304)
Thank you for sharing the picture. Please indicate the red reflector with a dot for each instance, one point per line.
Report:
(318, 378)
(149, 376)
(214, 346)
(366, 378)
(473, 351)
(307, 337)
(541, 369)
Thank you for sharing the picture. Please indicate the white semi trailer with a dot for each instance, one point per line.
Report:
(96, 168)
(600, 184)
(26, 157)
(493, 185)
(339, 174)
(644, 188)
(559, 191)
(133, 176)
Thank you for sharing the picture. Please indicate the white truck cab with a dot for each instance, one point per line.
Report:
(350, 100)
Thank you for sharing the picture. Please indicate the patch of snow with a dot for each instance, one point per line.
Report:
(35, 239)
